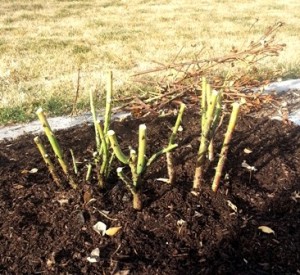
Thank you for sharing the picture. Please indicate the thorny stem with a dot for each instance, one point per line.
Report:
(225, 147)
(204, 143)
(137, 203)
(109, 91)
(214, 126)
(47, 160)
(203, 102)
(116, 147)
(133, 167)
(93, 111)
(177, 123)
(105, 152)
(169, 155)
(141, 161)
(55, 146)
(170, 167)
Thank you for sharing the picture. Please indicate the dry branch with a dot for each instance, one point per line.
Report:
(179, 81)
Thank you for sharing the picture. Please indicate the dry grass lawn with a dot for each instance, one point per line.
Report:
(43, 43)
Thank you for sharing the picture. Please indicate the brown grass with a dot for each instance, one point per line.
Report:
(43, 43)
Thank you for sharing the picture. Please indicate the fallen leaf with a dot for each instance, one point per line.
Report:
(24, 171)
(243, 101)
(165, 180)
(100, 228)
(51, 260)
(197, 214)
(266, 229)
(113, 230)
(63, 201)
(90, 201)
(295, 196)
(181, 222)
(195, 193)
(122, 272)
(80, 218)
(87, 196)
(247, 166)
(232, 206)
(247, 151)
(95, 256)
(18, 186)
(33, 170)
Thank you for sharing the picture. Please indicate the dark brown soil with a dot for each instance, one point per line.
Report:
(48, 230)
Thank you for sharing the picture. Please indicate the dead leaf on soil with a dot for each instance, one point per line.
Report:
(198, 214)
(100, 228)
(33, 170)
(295, 196)
(63, 201)
(165, 180)
(122, 272)
(195, 193)
(18, 186)
(232, 206)
(247, 151)
(247, 166)
(51, 260)
(266, 229)
(87, 196)
(95, 256)
(113, 230)
(181, 222)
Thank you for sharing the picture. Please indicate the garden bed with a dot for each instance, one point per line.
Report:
(49, 230)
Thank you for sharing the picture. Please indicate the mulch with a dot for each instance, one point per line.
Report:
(45, 229)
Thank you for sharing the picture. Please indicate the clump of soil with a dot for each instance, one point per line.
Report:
(46, 229)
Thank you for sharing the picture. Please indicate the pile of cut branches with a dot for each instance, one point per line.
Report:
(180, 81)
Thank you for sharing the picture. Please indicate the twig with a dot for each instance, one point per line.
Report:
(181, 79)
(76, 94)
